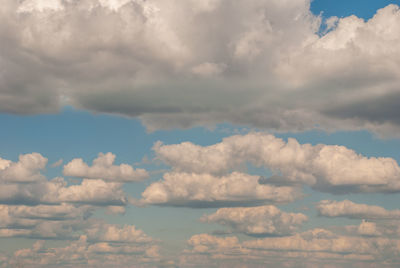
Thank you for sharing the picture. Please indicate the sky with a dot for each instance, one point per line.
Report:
(187, 133)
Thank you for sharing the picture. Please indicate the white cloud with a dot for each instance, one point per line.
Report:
(349, 209)
(97, 192)
(205, 243)
(44, 212)
(44, 221)
(263, 220)
(40, 5)
(22, 183)
(320, 240)
(182, 63)
(205, 190)
(311, 248)
(32, 207)
(27, 169)
(56, 191)
(113, 233)
(104, 169)
(368, 228)
(329, 168)
(82, 253)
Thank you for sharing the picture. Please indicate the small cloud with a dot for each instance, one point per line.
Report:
(57, 164)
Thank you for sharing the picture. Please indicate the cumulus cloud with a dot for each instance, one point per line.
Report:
(56, 191)
(183, 63)
(205, 190)
(204, 243)
(263, 220)
(328, 168)
(104, 169)
(27, 169)
(113, 233)
(368, 228)
(96, 192)
(352, 210)
(22, 183)
(62, 221)
(32, 206)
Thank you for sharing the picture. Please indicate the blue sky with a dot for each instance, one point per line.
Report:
(279, 143)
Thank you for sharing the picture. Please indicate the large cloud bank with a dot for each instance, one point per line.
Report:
(182, 63)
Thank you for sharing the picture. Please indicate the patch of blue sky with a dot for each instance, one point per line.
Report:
(344, 8)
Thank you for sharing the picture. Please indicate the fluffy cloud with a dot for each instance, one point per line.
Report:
(183, 63)
(205, 243)
(31, 206)
(329, 168)
(112, 233)
(205, 190)
(104, 169)
(96, 192)
(368, 228)
(56, 191)
(27, 169)
(44, 221)
(22, 183)
(263, 220)
(352, 210)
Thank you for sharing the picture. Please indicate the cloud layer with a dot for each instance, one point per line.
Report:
(183, 63)
(311, 248)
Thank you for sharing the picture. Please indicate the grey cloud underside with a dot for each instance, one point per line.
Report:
(185, 63)
(380, 109)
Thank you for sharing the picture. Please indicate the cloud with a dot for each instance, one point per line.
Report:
(21, 183)
(180, 63)
(104, 169)
(263, 220)
(56, 191)
(57, 163)
(82, 253)
(27, 169)
(328, 168)
(311, 248)
(205, 190)
(368, 229)
(205, 243)
(34, 207)
(95, 192)
(113, 233)
(44, 221)
(352, 210)
(320, 240)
